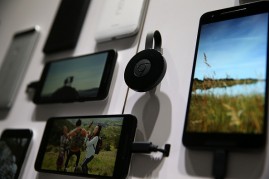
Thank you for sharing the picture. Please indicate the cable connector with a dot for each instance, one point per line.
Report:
(32, 86)
(148, 147)
(220, 164)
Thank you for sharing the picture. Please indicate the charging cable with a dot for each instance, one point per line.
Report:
(148, 147)
(32, 86)
(220, 164)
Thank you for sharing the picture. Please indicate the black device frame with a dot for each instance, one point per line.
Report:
(15, 134)
(103, 89)
(227, 141)
(65, 30)
(123, 154)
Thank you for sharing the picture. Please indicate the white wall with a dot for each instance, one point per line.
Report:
(160, 116)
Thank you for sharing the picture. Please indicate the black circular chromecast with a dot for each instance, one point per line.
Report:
(147, 68)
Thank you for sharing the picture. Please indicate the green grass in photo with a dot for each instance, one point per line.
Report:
(238, 114)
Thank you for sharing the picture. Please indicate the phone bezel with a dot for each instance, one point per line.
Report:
(199, 140)
(103, 89)
(19, 133)
(66, 27)
(123, 154)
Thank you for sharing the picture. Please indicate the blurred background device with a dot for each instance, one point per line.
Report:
(119, 19)
(67, 25)
(14, 144)
(15, 64)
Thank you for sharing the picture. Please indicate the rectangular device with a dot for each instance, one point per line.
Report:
(228, 97)
(74, 79)
(119, 19)
(67, 25)
(89, 146)
(15, 65)
(14, 144)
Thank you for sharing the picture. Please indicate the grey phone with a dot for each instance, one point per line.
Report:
(15, 64)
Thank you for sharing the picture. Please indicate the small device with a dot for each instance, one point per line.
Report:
(119, 19)
(15, 64)
(147, 68)
(228, 97)
(67, 25)
(76, 79)
(90, 146)
(148, 147)
(14, 144)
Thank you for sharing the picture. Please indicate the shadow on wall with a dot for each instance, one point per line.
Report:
(153, 111)
(45, 111)
(48, 175)
(240, 165)
(3, 114)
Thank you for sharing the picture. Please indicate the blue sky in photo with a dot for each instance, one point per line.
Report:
(87, 72)
(234, 48)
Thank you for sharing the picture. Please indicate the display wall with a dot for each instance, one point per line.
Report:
(160, 113)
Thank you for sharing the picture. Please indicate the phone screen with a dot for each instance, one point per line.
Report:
(228, 93)
(77, 79)
(88, 146)
(13, 148)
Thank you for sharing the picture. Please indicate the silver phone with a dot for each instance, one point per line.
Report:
(15, 64)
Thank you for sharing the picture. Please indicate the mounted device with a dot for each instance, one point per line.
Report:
(147, 68)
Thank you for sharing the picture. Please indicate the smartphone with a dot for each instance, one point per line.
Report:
(228, 96)
(119, 19)
(90, 146)
(66, 26)
(15, 64)
(76, 79)
(14, 144)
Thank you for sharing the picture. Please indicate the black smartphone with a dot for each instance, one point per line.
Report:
(67, 25)
(82, 78)
(89, 146)
(228, 96)
(14, 144)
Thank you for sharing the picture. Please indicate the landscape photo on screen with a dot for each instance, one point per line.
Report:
(83, 145)
(229, 83)
(74, 78)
